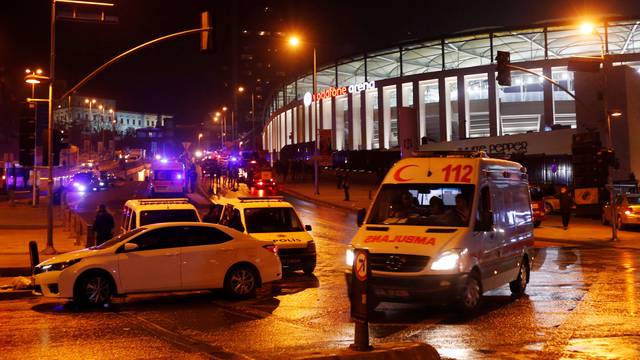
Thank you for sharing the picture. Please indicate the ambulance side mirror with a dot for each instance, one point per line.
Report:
(362, 213)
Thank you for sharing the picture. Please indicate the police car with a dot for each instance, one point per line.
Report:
(273, 219)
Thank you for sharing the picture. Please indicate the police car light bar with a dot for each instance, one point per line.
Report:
(163, 201)
(261, 199)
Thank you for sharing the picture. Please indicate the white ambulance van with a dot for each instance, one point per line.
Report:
(447, 226)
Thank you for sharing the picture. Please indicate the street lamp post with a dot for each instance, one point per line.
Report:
(588, 28)
(33, 81)
(295, 41)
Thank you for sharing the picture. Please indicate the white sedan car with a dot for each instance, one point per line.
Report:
(162, 257)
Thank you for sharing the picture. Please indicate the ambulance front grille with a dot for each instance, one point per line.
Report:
(398, 262)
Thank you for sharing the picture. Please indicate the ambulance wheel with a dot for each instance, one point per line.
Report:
(471, 294)
(519, 285)
(309, 268)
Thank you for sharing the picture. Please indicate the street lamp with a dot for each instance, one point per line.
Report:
(253, 109)
(294, 41)
(200, 135)
(33, 78)
(588, 28)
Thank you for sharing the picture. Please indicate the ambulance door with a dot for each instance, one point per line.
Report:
(492, 254)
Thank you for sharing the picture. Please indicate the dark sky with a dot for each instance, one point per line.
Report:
(175, 78)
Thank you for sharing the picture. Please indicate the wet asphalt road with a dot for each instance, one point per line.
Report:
(582, 303)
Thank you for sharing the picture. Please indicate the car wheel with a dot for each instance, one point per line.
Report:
(537, 223)
(241, 282)
(471, 295)
(94, 290)
(309, 268)
(519, 285)
(548, 209)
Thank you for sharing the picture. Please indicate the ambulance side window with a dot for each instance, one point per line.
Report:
(484, 218)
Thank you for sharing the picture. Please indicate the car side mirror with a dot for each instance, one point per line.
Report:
(130, 247)
(307, 227)
(362, 213)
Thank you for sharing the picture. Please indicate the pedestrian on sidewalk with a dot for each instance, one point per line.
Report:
(345, 186)
(566, 203)
(103, 225)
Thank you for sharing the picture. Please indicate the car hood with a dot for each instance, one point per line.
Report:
(410, 240)
(77, 254)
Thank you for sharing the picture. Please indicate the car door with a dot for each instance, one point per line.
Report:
(154, 265)
(206, 255)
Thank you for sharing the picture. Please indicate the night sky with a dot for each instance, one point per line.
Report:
(176, 78)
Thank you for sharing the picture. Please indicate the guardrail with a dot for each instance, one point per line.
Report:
(79, 229)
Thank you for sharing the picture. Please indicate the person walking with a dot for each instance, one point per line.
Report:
(103, 225)
(566, 203)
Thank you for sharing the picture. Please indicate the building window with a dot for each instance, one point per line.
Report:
(564, 106)
(521, 104)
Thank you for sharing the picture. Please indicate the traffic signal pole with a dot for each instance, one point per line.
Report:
(49, 250)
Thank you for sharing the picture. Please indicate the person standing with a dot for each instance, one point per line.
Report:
(103, 225)
(566, 203)
(213, 216)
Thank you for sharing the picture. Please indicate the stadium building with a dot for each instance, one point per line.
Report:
(450, 82)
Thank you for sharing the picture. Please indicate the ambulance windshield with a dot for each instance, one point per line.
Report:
(423, 204)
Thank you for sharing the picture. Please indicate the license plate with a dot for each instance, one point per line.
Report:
(392, 292)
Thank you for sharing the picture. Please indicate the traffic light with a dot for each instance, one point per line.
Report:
(207, 40)
(503, 59)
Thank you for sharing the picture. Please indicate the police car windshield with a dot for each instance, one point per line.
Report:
(423, 205)
(273, 219)
(163, 216)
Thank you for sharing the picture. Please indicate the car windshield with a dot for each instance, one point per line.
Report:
(117, 239)
(633, 200)
(82, 177)
(163, 216)
(274, 219)
(167, 174)
(423, 204)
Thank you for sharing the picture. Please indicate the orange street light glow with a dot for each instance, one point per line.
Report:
(616, 114)
(240, 89)
(294, 41)
(587, 28)
(224, 108)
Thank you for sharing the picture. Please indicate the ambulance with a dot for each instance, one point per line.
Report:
(447, 226)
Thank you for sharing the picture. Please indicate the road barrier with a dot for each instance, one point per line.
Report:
(79, 229)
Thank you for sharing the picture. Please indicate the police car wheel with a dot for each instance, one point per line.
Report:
(471, 295)
(519, 285)
(241, 282)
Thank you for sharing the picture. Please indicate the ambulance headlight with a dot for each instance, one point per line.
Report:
(449, 260)
(350, 257)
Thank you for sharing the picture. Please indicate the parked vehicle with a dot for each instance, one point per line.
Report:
(537, 205)
(273, 219)
(627, 211)
(142, 212)
(84, 181)
(447, 227)
(159, 258)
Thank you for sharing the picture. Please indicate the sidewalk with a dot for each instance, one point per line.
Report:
(23, 223)
(581, 232)
(362, 189)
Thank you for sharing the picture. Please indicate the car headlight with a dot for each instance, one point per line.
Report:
(101, 183)
(350, 257)
(56, 266)
(449, 260)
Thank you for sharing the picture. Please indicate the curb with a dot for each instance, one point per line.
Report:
(317, 201)
(16, 295)
(386, 351)
(592, 243)
(15, 271)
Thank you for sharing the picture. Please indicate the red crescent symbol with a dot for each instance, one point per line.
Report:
(396, 175)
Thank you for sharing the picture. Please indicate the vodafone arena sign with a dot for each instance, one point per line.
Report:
(337, 91)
